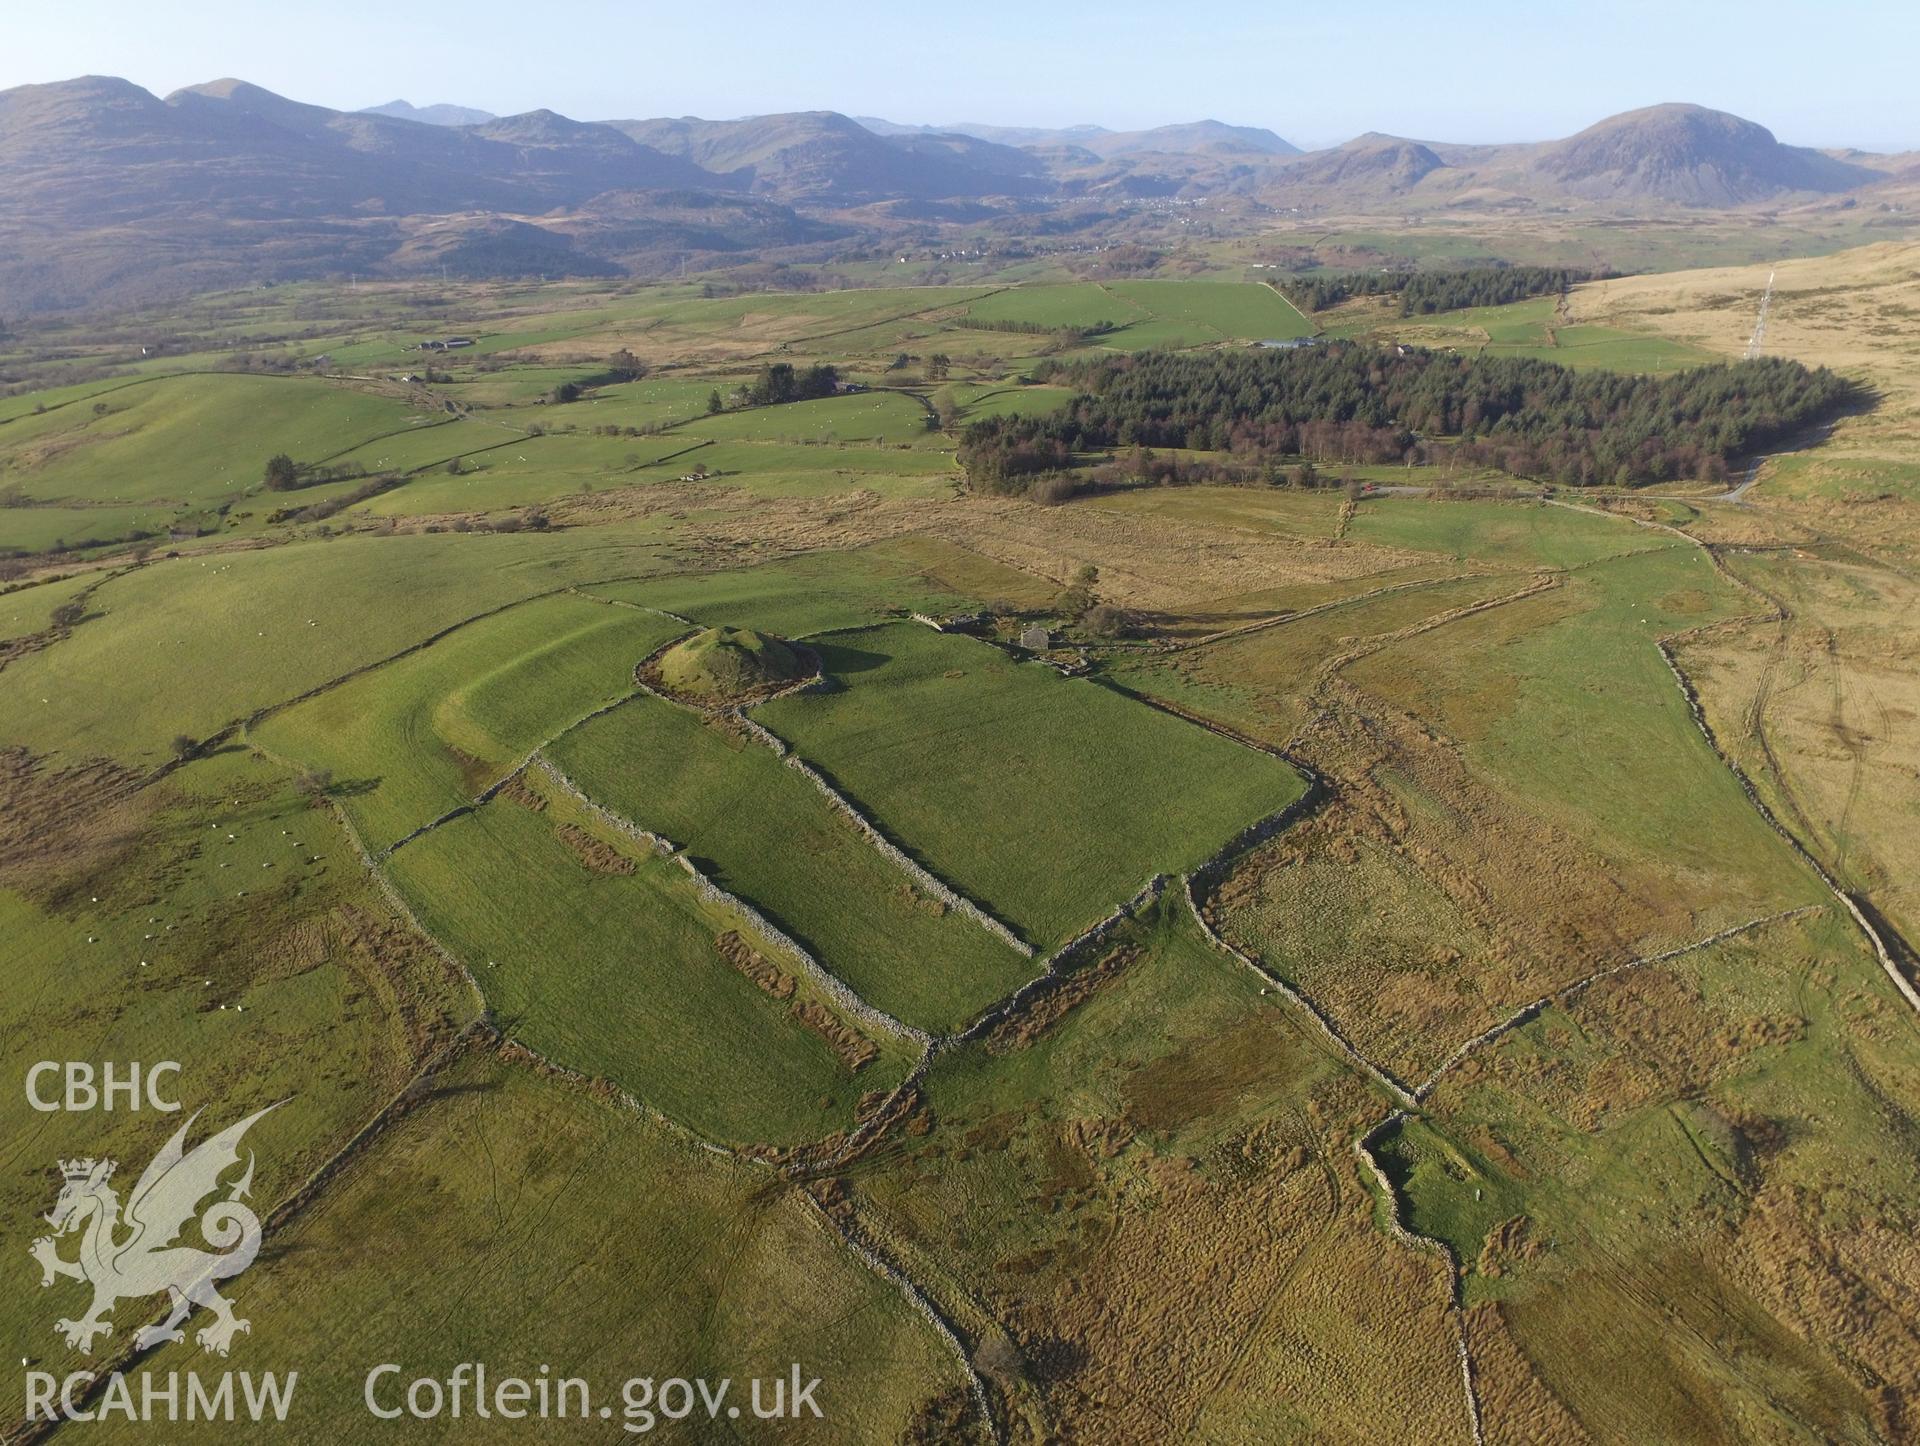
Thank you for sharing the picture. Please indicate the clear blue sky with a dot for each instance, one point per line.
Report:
(1827, 74)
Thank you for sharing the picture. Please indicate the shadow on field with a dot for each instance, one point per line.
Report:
(836, 659)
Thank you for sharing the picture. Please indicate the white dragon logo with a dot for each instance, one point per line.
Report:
(144, 1260)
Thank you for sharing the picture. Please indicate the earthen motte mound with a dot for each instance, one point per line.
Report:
(728, 662)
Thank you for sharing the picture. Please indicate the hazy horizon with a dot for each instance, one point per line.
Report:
(1494, 73)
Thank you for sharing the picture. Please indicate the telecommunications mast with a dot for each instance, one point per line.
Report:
(1760, 326)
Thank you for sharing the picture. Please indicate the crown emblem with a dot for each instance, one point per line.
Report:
(83, 1169)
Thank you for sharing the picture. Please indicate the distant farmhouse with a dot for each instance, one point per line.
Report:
(1290, 343)
(1035, 639)
(452, 343)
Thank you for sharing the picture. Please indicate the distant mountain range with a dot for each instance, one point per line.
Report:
(816, 155)
(1207, 137)
(109, 193)
(432, 115)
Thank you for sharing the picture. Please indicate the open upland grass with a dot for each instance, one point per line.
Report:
(617, 974)
(819, 470)
(1150, 313)
(524, 1222)
(1626, 1161)
(29, 610)
(1681, 1195)
(1236, 311)
(1816, 708)
(690, 328)
(1533, 328)
(653, 402)
(518, 470)
(1077, 305)
(764, 833)
(1566, 699)
(1851, 311)
(432, 444)
(79, 529)
(1157, 560)
(1013, 402)
(1264, 510)
(1152, 1184)
(1261, 682)
(424, 734)
(1047, 799)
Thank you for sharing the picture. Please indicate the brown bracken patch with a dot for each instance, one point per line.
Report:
(60, 827)
(518, 790)
(1053, 1000)
(755, 965)
(596, 854)
(853, 1049)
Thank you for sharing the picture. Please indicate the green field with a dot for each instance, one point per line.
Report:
(191, 439)
(29, 609)
(1501, 533)
(431, 444)
(1079, 304)
(1231, 310)
(1151, 313)
(1528, 329)
(994, 773)
(78, 529)
(654, 402)
(1012, 402)
(877, 417)
(808, 594)
(529, 919)
(195, 644)
(763, 833)
(219, 921)
(409, 741)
